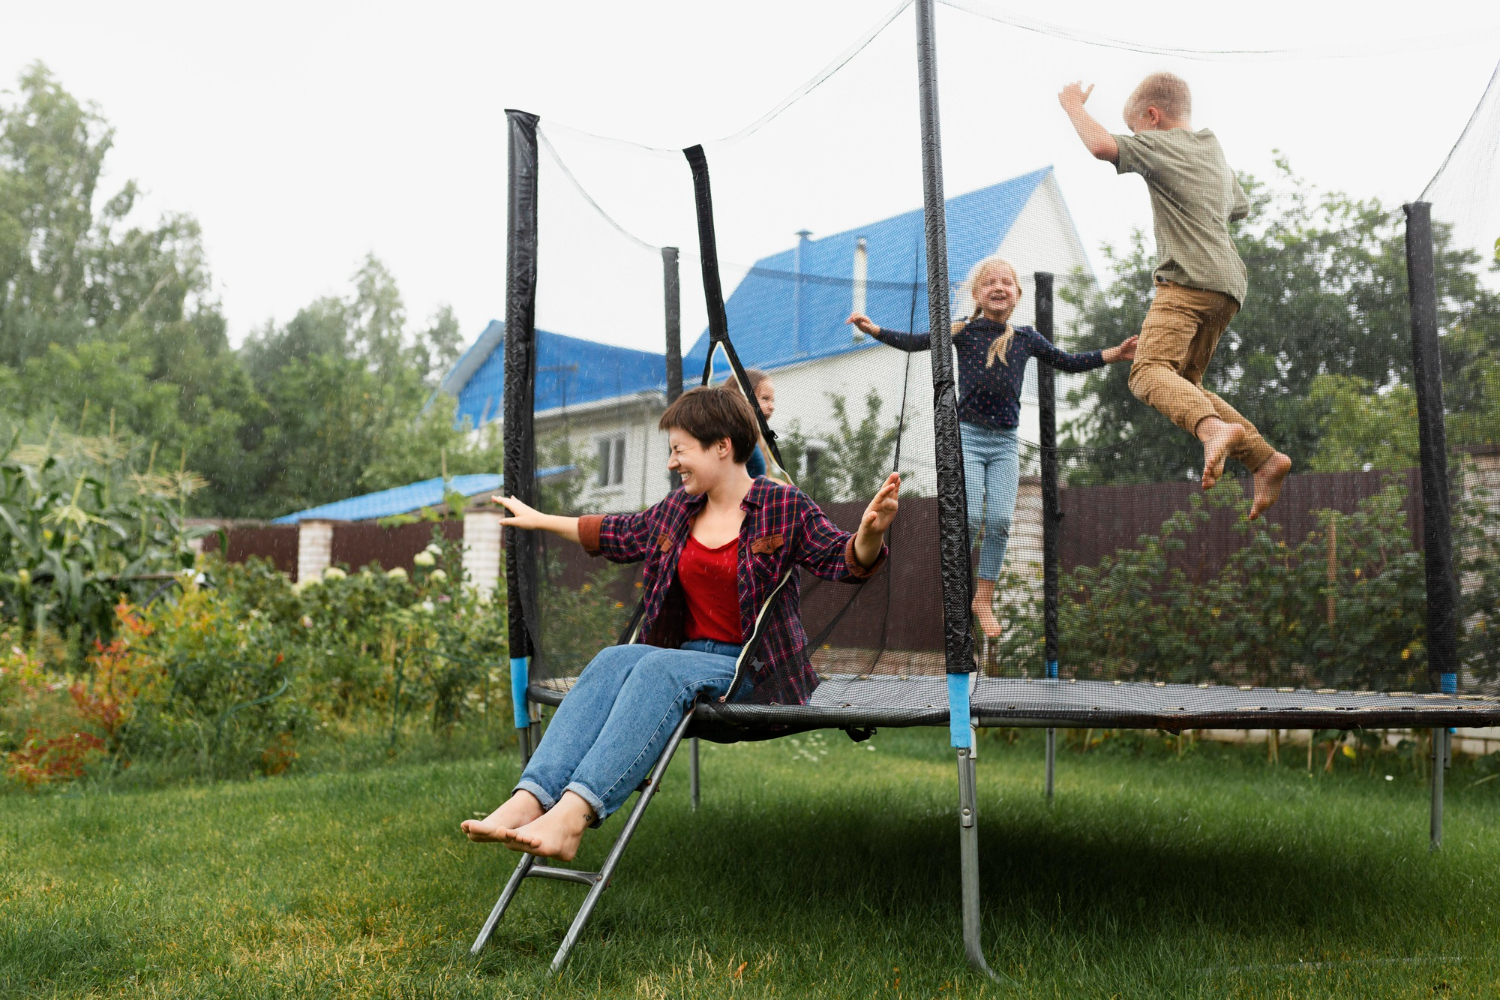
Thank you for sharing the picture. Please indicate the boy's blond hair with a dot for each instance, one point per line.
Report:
(1166, 92)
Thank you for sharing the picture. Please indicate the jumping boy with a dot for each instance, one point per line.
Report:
(1200, 280)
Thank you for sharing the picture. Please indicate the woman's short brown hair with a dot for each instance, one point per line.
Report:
(712, 413)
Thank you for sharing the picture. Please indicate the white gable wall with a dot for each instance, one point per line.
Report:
(633, 420)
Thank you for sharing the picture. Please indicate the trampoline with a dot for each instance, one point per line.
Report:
(900, 650)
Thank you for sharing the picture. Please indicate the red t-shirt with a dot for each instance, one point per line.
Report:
(710, 583)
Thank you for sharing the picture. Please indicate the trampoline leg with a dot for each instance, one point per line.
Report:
(1440, 760)
(1051, 761)
(693, 773)
(503, 903)
(601, 880)
(968, 854)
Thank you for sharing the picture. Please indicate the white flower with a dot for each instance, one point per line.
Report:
(424, 558)
(434, 548)
(438, 575)
(334, 573)
(301, 585)
(426, 607)
(396, 574)
(307, 621)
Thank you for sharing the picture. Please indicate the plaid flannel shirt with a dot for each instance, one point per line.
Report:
(783, 529)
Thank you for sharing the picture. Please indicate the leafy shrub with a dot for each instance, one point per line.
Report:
(238, 672)
(1272, 615)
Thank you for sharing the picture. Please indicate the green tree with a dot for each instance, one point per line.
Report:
(852, 462)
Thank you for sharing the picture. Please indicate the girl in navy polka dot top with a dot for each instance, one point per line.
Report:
(992, 357)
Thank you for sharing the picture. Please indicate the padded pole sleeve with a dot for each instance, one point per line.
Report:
(713, 293)
(1046, 390)
(960, 723)
(1437, 528)
(520, 371)
(953, 520)
(520, 677)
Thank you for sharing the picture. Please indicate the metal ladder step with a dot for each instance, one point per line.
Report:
(531, 867)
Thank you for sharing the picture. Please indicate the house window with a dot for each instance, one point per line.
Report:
(611, 462)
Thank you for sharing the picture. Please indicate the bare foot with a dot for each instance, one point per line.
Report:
(1268, 480)
(1219, 439)
(985, 611)
(499, 826)
(556, 833)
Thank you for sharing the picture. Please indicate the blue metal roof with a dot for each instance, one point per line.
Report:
(570, 371)
(792, 305)
(405, 499)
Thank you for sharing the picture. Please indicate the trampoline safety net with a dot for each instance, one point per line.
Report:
(1164, 605)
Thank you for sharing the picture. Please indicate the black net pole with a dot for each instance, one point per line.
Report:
(1046, 391)
(672, 291)
(953, 527)
(1437, 528)
(713, 293)
(520, 396)
(953, 524)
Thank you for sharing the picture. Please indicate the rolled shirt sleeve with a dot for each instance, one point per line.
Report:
(622, 538)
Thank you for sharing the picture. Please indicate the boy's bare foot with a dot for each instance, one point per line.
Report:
(556, 833)
(499, 826)
(1268, 479)
(984, 610)
(1219, 438)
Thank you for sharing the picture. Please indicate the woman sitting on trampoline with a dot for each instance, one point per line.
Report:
(992, 358)
(718, 551)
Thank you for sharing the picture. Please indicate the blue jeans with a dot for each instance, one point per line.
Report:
(992, 475)
(614, 724)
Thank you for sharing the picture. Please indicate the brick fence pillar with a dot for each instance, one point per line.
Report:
(482, 550)
(314, 549)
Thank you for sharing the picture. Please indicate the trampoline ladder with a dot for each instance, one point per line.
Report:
(530, 866)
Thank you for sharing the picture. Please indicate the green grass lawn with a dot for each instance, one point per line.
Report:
(816, 867)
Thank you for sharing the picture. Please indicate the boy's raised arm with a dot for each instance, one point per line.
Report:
(1095, 136)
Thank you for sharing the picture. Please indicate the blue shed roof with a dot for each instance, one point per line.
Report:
(788, 310)
(570, 371)
(405, 499)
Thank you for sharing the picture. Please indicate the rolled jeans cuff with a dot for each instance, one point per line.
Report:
(527, 785)
(596, 804)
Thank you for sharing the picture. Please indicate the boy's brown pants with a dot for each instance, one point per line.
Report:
(1178, 338)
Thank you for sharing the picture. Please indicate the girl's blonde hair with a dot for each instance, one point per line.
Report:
(1000, 349)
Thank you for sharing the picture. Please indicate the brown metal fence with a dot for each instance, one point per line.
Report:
(1098, 520)
(361, 543)
(275, 542)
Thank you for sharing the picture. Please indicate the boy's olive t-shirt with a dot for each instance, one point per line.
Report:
(1194, 197)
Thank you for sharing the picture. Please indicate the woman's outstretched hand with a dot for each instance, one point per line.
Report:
(528, 518)
(877, 518)
(1125, 352)
(863, 324)
(522, 516)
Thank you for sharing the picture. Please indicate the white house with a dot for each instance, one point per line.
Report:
(787, 317)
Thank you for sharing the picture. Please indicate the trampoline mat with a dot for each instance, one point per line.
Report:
(862, 701)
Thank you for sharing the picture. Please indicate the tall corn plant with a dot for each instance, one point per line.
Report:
(81, 525)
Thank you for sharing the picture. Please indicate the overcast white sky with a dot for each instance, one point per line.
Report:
(303, 135)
